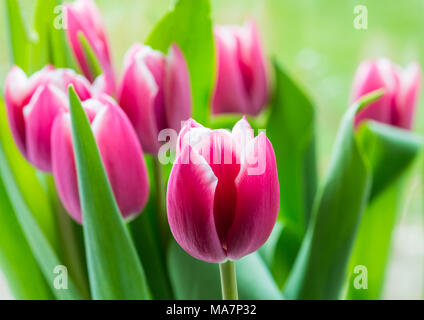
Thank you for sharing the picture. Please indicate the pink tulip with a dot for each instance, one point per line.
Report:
(155, 92)
(32, 105)
(397, 106)
(242, 85)
(83, 17)
(120, 151)
(223, 192)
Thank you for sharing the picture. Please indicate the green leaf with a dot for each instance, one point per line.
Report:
(197, 280)
(40, 246)
(291, 129)
(18, 36)
(391, 152)
(28, 184)
(373, 244)
(16, 259)
(320, 268)
(114, 269)
(39, 46)
(189, 25)
(93, 62)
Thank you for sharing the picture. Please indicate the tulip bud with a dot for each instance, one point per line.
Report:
(223, 192)
(83, 17)
(401, 88)
(242, 85)
(155, 92)
(33, 103)
(120, 152)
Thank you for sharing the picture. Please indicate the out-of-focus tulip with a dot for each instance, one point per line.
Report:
(32, 105)
(83, 17)
(242, 85)
(120, 150)
(155, 92)
(223, 192)
(397, 106)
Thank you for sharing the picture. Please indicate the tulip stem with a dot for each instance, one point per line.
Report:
(162, 219)
(228, 280)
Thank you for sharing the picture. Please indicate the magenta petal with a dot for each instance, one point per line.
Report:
(177, 89)
(371, 76)
(230, 95)
(257, 201)
(15, 95)
(83, 17)
(243, 133)
(181, 141)
(253, 67)
(39, 114)
(190, 201)
(137, 94)
(63, 164)
(407, 97)
(123, 159)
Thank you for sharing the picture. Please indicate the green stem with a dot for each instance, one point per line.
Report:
(228, 280)
(160, 190)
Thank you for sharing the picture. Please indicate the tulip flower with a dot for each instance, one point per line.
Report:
(155, 92)
(242, 85)
(223, 192)
(32, 105)
(120, 151)
(83, 18)
(401, 89)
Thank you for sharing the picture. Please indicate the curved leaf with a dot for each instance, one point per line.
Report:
(114, 269)
(16, 259)
(18, 37)
(320, 268)
(391, 152)
(291, 127)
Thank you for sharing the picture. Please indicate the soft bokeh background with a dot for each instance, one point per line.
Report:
(318, 44)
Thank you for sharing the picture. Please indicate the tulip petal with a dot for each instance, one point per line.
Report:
(371, 76)
(64, 168)
(177, 89)
(39, 114)
(243, 133)
(230, 94)
(181, 142)
(406, 100)
(190, 202)
(257, 200)
(123, 159)
(137, 96)
(83, 16)
(15, 94)
(253, 67)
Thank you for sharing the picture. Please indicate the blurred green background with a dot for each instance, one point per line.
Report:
(317, 43)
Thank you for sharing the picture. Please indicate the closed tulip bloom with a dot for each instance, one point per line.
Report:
(242, 85)
(32, 105)
(223, 192)
(120, 151)
(83, 17)
(401, 89)
(155, 92)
